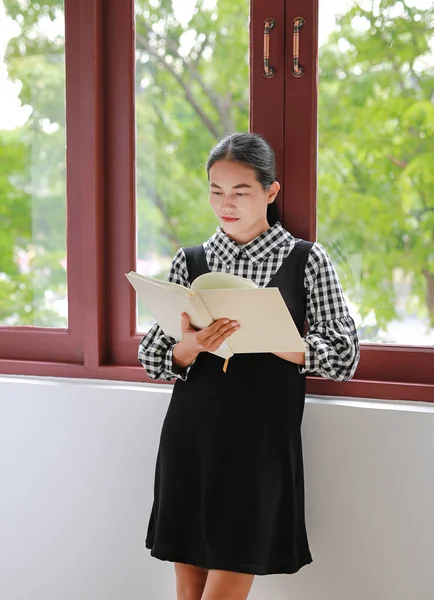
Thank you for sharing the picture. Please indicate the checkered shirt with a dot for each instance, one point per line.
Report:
(331, 343)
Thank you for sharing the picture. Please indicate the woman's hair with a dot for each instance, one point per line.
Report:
(254, 152)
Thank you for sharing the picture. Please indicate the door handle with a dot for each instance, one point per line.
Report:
(297, 69)
(269, 24)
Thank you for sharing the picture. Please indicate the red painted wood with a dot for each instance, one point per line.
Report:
(63, 369)
(41, 368)
(266, 100)
(381, 390)
(28, 343)
(89, 299)
(300, 163)
(119, 54)
(84, 185)
(397, 364)
(315, 385)
(74, 95)
(389, 372)
(266, 95)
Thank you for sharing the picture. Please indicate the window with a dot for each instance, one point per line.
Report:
(33, 208)
(375, 156)
(181, 103)
(33, 265)
(375, 189)
(188, 96)
(150, 86)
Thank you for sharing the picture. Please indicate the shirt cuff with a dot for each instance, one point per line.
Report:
(311, 362)
(172, 368)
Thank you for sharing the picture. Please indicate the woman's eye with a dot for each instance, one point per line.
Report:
(215, 193)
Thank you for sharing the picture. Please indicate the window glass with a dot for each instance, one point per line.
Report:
(32, 165)
(192, 88)
(376, 162)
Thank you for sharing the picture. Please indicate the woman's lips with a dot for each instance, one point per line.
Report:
(230, 219)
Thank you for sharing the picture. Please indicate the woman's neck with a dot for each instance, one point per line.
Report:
(247, 236)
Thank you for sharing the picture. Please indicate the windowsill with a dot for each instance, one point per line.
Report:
(100, 384)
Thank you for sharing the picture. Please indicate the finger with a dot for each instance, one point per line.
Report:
(218, 340)
(220, 326)
(186, 325)
(215, 327)
(218, 343)
(212, 332)
(227, 333)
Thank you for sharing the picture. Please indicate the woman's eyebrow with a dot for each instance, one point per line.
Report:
(234, 187)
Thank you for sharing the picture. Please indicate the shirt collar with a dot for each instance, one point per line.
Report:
(256, 251)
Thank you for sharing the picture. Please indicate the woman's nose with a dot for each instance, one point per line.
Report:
(228, 201)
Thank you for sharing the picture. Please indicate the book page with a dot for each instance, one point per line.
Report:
(200, 318)
(222, 281)
(132, 275)
(166, 303)
(266, 324)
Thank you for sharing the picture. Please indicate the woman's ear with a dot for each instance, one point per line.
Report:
(272, 192)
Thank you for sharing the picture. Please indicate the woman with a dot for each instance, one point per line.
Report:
(229, 486)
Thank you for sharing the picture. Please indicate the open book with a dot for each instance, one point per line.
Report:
(266, 324)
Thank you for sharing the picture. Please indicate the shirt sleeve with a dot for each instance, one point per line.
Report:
(331, 341)
(155, 348)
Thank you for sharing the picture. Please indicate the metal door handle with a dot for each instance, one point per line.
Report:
(297, 69)
(269, 24)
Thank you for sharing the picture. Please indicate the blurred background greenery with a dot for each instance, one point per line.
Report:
(375, 150)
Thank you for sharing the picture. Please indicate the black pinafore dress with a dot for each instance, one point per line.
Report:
(229, 484)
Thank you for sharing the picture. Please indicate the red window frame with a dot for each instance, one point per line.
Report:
(393, 372)
(101, 341)
(74, 351)
(119, 141)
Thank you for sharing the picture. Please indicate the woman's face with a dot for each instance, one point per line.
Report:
(239, 201)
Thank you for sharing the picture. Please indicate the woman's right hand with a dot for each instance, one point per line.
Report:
(194, 342)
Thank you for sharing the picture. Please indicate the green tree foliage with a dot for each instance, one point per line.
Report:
(32, 172)
(376, 156)
(192, 87)
(376, 119)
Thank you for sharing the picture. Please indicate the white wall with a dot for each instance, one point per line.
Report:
(76, 475)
